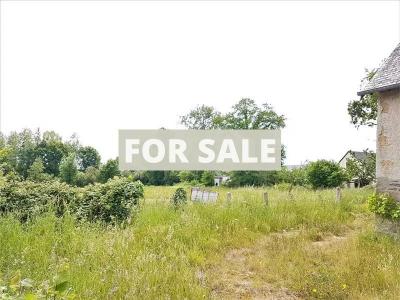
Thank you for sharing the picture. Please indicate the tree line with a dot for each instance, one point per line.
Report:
(35, 156)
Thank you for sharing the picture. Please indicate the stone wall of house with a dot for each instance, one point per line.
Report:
(388, 143)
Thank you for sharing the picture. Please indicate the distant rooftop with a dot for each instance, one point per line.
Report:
(387, 77)
(359, 155)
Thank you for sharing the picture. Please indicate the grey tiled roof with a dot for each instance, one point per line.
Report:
(359, 155)
(387, 77)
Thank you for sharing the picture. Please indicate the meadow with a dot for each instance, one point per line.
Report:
(303, 245)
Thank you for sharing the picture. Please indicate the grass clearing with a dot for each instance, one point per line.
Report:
(329, 249)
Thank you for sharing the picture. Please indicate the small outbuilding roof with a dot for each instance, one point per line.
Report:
(387, 77)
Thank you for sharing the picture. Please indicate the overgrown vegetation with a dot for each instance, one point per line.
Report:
(168, 253)
(112, 201)
(384, 205)
(179, 197)
(325, 174)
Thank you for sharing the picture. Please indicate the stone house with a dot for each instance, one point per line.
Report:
(386, 83)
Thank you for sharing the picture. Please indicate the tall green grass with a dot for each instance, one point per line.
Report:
(159, 253)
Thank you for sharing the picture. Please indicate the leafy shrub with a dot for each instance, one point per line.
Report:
(27, 198)
(384, 205)
(325, 174)
(296, 176)
(107, 202)
(111, 201)
(179, 197)
(207, 178)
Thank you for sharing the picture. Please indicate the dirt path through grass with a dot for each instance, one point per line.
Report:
(236, 277)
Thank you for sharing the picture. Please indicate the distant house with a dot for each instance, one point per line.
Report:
(357, 155)
(219, 180)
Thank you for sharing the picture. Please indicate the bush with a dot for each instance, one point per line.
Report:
(207, 178)
(325, 174)
(27, 199)
(294, 177)
(108, 202)
(384, 205)
(179, 197)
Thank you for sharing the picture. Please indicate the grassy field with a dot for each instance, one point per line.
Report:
(303, 245)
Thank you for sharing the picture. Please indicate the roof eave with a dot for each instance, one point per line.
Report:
(380, 89)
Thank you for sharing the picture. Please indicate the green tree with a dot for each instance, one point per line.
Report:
(207, 178)
(364, 169)
(202, 117)
(36, 171)
(325, 174)
(246, 114)
(364, 110)
(191, 176)
(159, 177)
(109, 170)
(51, 150)
(294, 177)
(92, 175)
(253, 178)
(68, 169)
(88, 157)
(89, 176)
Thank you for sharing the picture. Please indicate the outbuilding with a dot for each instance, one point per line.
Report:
(386, 83)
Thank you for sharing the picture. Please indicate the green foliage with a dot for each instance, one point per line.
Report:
(179, 197)
(325, 174)
(108, 202)
(207, 178)
(158, 177)
(190, 176)
(27, 199)
(51, 150)
(202, 117)
(384, 205)
(27, 289)
(247, 115)
(68, 169)
(294, 177)
(364, 111)
(253, 178)
(88, 157)
(109, 170)
(362, 169)
(89, 176)
(36, 170)
(159, 255)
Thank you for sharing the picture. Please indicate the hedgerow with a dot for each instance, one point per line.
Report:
(111, 201)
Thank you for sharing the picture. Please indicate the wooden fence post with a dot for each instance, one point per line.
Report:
(265, 197)
(228, 197)
(338, 194)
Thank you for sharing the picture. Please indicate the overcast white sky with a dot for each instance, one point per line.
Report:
(92, 68)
